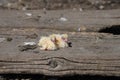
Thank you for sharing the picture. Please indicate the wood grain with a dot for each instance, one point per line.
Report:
(59, 65)
(91, 53)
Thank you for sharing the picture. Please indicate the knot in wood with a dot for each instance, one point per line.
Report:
(53, 63)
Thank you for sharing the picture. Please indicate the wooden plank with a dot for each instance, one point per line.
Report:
(64, 65)
(91, 53)
(87, 56)
(86, 20)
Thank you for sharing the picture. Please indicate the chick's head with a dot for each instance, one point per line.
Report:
(64, 37)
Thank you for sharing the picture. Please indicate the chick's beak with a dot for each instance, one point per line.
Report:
(69, 44)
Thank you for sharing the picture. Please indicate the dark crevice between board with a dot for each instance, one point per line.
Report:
(115, 30)
(43, 77)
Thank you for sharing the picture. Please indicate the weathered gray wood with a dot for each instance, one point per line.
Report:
(91, 53)
(88, 55)
(108, 65)
(86, 20)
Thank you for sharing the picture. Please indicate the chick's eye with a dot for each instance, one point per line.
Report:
(64, 39)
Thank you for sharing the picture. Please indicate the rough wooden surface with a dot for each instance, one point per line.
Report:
(67, 65)
(86, 20)
(91, 53)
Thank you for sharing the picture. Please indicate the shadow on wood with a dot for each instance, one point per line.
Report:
(42, 77)
(115, 30)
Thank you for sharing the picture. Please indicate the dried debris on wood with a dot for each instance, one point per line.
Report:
(27, 46)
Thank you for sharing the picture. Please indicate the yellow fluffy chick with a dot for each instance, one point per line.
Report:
(47, 43)
(60, 40)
